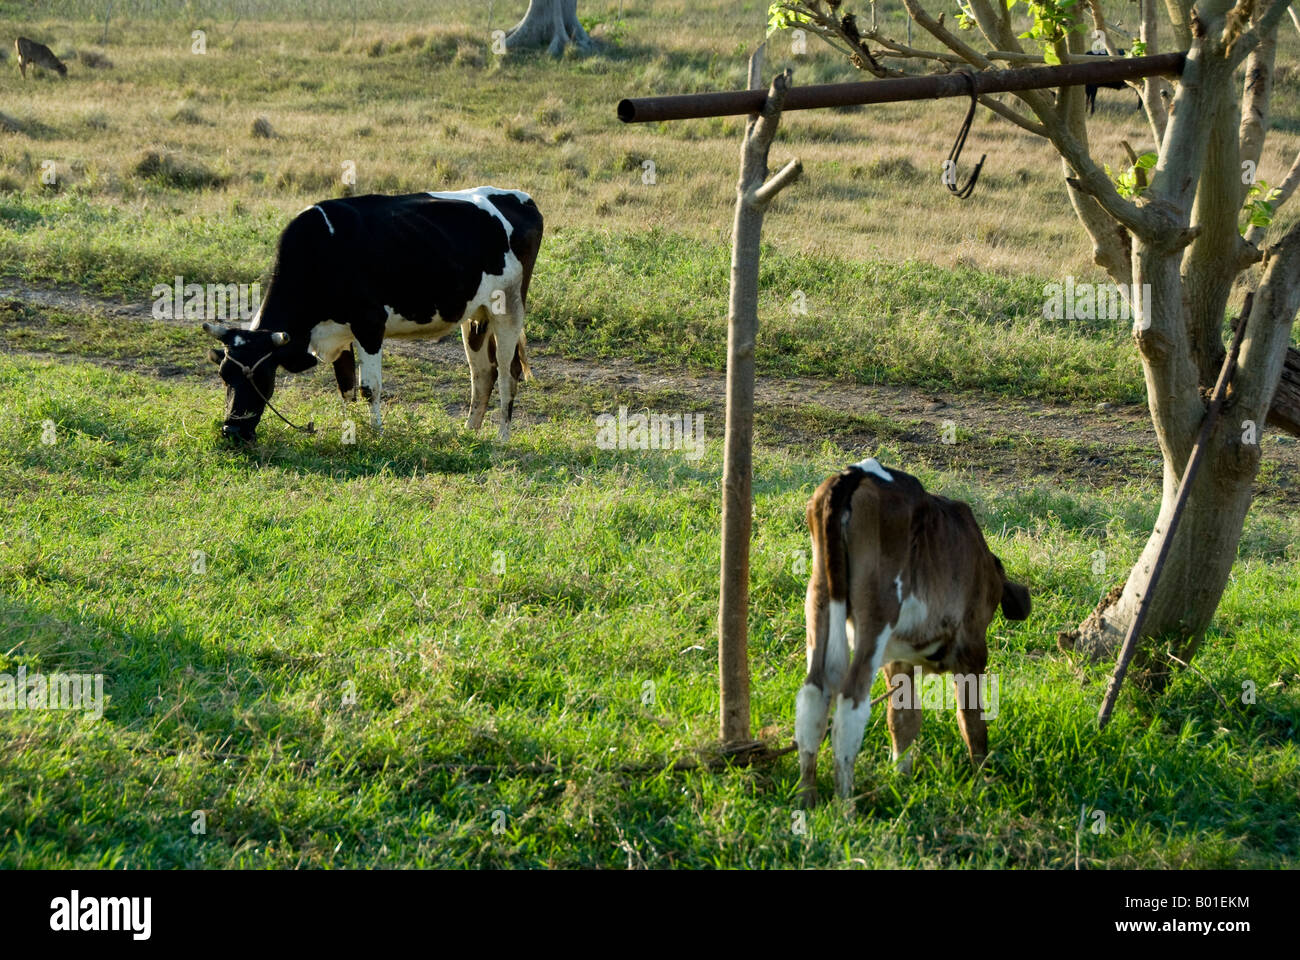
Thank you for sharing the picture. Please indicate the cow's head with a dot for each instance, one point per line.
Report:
(247, 365)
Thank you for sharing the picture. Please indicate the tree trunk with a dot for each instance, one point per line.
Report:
(548, 23)
(1285, 412)
(1205, 546)
(752, 198)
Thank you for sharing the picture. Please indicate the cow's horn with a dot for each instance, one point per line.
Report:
(279, 338)
(215, 329)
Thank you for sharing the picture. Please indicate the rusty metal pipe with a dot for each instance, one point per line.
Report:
(740, 102)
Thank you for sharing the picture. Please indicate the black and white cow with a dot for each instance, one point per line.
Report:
(366, 268)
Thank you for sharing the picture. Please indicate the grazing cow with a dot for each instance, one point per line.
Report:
(366, 268)
(39, 55)
(902, 578)
(1090, 89)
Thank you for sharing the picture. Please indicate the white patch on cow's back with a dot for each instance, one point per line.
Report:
(317, 206)
(491, 286)
(479, 197)
(872, 465)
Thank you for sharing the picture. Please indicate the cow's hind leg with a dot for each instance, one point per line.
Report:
(476, 338)
(508, 332)
(904, 713)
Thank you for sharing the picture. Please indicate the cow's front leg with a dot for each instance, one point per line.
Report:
(345, 374)
(476, 337)
(971, 705)
(904, 713)
(368, 331)
(372, 384)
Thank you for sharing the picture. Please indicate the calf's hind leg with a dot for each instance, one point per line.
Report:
(813, 703)
(853, 706)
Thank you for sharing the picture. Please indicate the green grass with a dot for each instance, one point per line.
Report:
(502, 614)
(373, 565)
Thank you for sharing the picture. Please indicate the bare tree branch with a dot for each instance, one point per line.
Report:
(1180, 16)
(1266, 25)
(1154, 89)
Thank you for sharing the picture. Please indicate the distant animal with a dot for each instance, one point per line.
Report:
(900, 578)
(1090, 90)
(38, 55)
(362, 269)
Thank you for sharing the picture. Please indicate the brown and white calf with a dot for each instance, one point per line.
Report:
(900, 578)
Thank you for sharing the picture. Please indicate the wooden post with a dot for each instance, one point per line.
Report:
(752, 197)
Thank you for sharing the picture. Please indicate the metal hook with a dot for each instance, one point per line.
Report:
(950, 165)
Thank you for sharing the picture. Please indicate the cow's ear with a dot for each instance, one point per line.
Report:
(215, 356)
(218, 330)
(1015, 600)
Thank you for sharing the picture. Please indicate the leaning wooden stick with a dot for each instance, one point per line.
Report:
(1184, 489)
(752, 198)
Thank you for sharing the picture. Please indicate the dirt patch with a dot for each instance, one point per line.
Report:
(1005, 437)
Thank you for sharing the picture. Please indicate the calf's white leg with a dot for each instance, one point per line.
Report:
(853, 709)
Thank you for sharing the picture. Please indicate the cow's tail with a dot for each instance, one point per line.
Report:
(828, 520)
(531, 245)
(521, 354)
